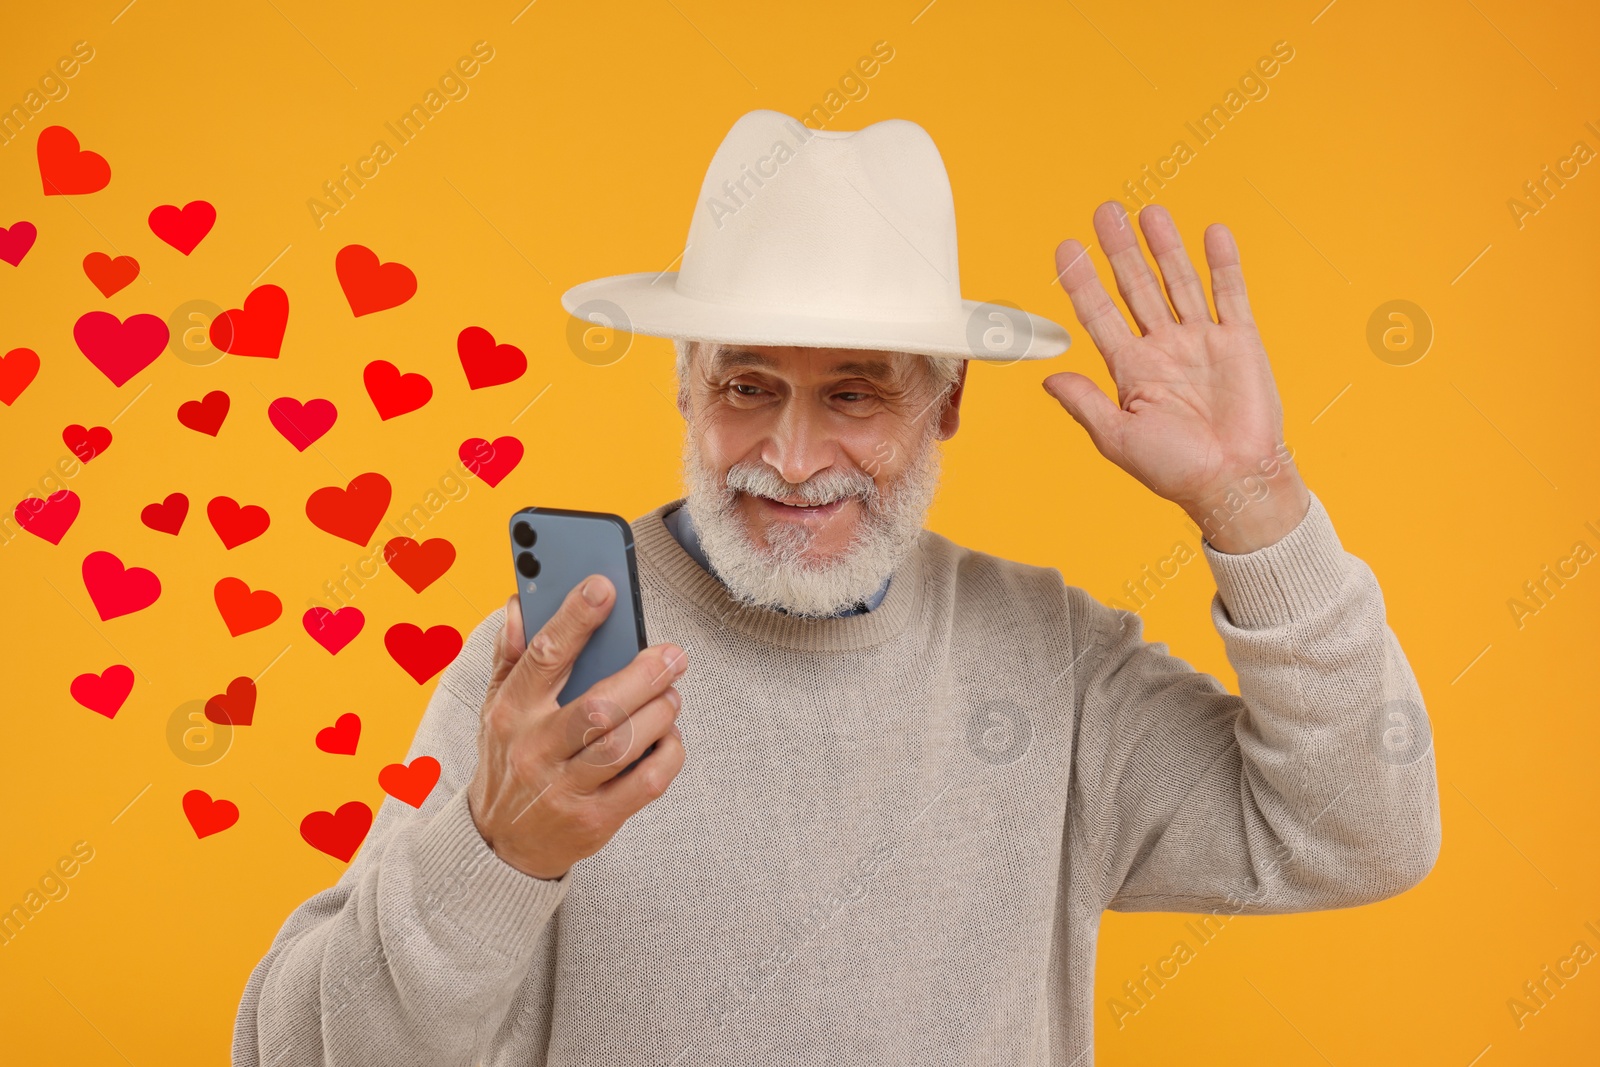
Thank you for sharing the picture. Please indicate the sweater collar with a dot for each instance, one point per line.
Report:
(660, 552)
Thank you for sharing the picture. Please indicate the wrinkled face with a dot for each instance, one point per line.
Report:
(810, 470)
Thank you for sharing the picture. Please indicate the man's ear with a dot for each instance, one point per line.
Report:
(950, 415)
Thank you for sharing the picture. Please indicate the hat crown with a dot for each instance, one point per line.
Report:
(858, 222)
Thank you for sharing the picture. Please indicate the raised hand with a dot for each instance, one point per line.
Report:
(1197, 418)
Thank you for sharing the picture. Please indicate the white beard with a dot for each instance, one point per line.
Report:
(782, 577)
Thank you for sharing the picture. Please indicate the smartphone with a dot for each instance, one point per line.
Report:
(553, 550)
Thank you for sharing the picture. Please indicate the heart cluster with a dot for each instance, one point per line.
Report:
(120, 348)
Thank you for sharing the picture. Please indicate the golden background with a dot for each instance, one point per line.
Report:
(1381, 164)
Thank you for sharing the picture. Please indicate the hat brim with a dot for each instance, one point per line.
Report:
(649, 303)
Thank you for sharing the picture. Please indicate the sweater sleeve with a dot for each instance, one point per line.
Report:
(413, 957)
(1314, 788)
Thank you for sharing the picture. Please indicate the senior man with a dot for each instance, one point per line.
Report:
(910, 775)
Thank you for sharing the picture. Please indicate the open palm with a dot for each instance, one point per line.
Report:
(1197, 409)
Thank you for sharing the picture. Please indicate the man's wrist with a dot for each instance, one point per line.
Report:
(1256, 512)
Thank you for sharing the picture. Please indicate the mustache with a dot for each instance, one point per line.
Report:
(822, 488)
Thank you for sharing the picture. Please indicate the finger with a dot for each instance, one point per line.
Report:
(1090, 301)
(508, 645)
(626, 795)
(1135, 280)
(612, 700)
(609, 753)
(1227, 277)
(1188, 296)
(1091, 408)
(546, 664)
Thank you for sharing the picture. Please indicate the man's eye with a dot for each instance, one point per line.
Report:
(739, 387)
(851, 398)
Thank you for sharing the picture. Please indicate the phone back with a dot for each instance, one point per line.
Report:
(566, 547)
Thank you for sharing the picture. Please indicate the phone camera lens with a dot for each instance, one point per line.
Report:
(524, 534)
(527, 565)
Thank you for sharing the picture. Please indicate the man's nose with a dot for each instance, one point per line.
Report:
(798, 445)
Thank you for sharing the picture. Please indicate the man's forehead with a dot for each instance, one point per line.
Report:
(868, 363)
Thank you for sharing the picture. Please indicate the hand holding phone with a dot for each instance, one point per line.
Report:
(578, 729)
(547, 789)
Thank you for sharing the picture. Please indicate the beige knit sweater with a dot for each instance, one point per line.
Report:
(894, 834)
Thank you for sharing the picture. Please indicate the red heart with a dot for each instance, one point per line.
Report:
(119, 349)
(369, 285)
(422, 655)
(491, 462)
(237, 706)
(208, 816)
(18, 368)
(354, 512)
(243, 610)
(104, 692)
(66, 168)
(394, 393)
(333, 629)
(110, 275)
(235, 524)
(168, 515)
(115, 589)
(410, 784)
(49, 518)
(84, 442)
(183, 228)
(205, 414)
(255, 329)
(302, 424)
(419, 566)
(485, 362)
(339, 833)
(16, 240)
(340, 738)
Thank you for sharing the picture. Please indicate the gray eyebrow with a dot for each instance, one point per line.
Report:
(727, 358)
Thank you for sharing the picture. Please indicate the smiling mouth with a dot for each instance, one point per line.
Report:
(799, 511)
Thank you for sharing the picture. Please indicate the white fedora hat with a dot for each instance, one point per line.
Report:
(828, 239)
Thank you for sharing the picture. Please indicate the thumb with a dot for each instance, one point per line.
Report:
(509, 644)
(1087, 405)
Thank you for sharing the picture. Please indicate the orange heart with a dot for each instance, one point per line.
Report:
(369, 285)
(353, 512)
(419, 566)
(208, 816)
(110, 275)
(244, 610)
(410, 784)
(64, 167)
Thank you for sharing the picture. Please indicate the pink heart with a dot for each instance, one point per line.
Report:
(120, 349)
(302, 424)
(491, 462)
(50, 517)
(15, 242)
(333, 629)
(115, 589)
